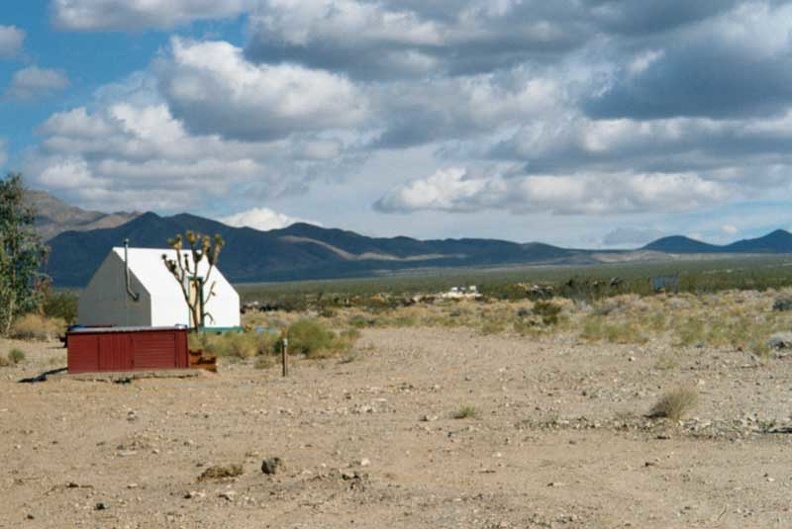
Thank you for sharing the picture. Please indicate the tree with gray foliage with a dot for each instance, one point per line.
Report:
(184, 269)
(21, 254)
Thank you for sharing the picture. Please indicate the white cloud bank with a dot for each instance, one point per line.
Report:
(141, 14)
(34, 82)
(263, 219)
(213, 89)
(529, 107)
(457, 190)
(11, 39)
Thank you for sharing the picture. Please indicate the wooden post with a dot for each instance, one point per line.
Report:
(284, 355)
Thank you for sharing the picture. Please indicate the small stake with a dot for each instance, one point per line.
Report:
(284, 353)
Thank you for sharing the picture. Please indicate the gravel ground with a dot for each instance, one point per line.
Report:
(554, 434)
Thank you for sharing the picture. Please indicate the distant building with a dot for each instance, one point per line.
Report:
(109, 298)
(462, 292)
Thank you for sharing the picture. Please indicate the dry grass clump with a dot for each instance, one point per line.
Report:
(674, 404)
(466, 412)
(612, 330)
(235, 345)
(738, 319)
(220, 472)
(37, 327)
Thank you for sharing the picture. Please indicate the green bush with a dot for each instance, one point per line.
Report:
(61, 305)
(16, 355)
(548, 311)
(310, 337)
(314, 340)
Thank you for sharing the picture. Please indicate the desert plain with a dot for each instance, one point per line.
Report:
(419, 427)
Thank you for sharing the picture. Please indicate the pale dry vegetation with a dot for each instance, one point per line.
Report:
(738, 320)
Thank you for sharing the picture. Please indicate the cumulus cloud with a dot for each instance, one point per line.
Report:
(462, 107)
(530, 107)
(730, 229)
(141, 14)
(213, 89)
(675, 144)
(11, 39)
(735, 64)
(34, 82)
(459, 190)
(393, 39)
(263, 219)
(123, 156)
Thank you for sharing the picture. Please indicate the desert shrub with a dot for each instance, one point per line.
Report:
(599, 329)
(264, 362)
(234, 344)
(690, 331)
(359, 321)
(783, 302)
(466, 412)
(309, 337)
(674, 404)
(489, 326)
(16, 355)
(547, 311)
(667, 361)
(61, 305)
(314, 340)
(37, 327)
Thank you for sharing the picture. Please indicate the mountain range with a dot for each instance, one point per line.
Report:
(304, 251)
(55, 216)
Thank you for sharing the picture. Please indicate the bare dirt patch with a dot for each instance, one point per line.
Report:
(555, 435)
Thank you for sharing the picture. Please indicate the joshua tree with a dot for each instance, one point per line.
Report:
(184, 269)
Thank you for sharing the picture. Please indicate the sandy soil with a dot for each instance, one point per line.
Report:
(557, 439)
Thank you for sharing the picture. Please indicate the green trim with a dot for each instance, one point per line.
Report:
(221, 329)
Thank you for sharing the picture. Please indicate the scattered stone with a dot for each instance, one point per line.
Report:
(428, 418)
(228, 495)
(271, 465)
(221, 472)
(101, 506)
(30, 516)
(783, 303)
(364, 462)
(194, 494)
(780, 340)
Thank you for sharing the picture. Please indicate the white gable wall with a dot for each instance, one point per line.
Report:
(161, 300)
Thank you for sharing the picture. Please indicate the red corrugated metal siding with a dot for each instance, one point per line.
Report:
(114, 352)
(120, 349)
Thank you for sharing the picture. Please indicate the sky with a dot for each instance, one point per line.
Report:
(580, 123)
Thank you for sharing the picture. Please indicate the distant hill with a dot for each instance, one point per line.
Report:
(53, 216)
(779, 241)
(301, 251)
(680, 244)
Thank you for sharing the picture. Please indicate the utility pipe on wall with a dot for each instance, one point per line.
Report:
(134, 295)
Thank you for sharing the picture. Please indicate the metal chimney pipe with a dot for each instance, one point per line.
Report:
(134, 295)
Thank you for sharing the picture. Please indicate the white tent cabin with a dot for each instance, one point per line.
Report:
(109, 298)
